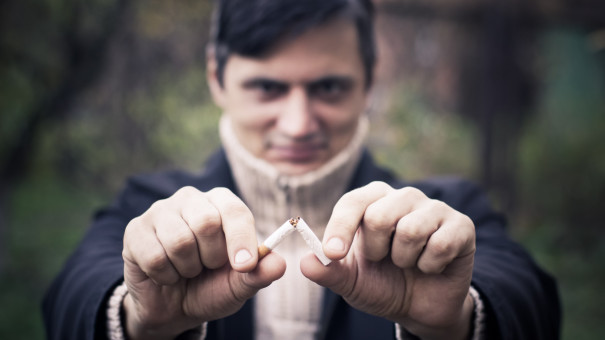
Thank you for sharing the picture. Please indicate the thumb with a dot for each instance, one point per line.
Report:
(334, 276)
(269, 269)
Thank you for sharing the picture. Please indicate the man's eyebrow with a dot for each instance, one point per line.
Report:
(342, 80)
(257, 81)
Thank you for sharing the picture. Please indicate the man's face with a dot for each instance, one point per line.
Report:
(299, 105)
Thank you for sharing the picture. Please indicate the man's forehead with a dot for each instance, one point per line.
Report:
(328, 49)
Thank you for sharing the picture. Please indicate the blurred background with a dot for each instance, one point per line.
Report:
(510, 94)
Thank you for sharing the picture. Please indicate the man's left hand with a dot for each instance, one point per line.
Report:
(402, 256)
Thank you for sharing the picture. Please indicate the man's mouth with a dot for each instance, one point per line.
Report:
(297, 153)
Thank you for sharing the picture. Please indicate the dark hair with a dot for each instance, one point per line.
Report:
(251, 27)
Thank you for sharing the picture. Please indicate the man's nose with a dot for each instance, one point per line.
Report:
(297, 119)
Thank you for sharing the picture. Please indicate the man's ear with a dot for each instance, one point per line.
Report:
(216, 89)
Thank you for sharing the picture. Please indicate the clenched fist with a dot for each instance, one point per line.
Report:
(401, 256)
(191, 258)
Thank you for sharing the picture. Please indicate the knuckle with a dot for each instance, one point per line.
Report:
(351, 200)
(156, 262)
(468, 230)
(464, 220)
(132, 227)
(201, 215)
(411, 233)
(441, 249)
(411, 193)
(206, 223)
(375, 220)
(219, 191)
(379, 186)
(348, 196)
(126, 255)
(437, 205)
(181, 243)
(158, 205)
(156, 210)
(186, 191)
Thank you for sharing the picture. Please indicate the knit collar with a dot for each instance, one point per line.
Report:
(274, 197)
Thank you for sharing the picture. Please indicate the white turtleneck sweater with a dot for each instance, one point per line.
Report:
(290, 308)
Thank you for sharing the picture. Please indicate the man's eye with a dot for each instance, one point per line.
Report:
(270, 89)
(329, 89)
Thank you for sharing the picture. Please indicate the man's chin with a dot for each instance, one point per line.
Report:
(296, 168)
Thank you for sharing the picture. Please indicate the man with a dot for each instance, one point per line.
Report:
(427, 260)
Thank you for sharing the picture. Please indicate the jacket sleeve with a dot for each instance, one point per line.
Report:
(522, 300)
(75, 303)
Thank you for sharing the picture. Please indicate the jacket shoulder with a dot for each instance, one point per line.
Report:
(140, 191)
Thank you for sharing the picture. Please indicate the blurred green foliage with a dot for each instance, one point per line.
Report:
(151, 110)
(45, 223)
(562, 179)
(411, 138)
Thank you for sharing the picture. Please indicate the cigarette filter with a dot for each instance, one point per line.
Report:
(275, 238)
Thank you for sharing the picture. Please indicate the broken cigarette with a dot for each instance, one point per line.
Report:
(312, 241)
(274, 239)
(284, 230)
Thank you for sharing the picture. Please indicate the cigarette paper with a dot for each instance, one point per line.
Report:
(284, 230)
(312, 241)
(275, 238)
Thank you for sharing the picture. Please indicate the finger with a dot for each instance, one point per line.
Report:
(411, 235)
(455, 238)
(333, 276)
(205, 222)
(246, 285)
(143, 250)
(381, 218)
(238, 226)
(346, 218)
(179, 243)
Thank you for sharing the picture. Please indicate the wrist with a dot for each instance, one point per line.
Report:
(459, 329)
(136, 329)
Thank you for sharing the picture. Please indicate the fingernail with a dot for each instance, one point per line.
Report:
(242, 256)
(336, 244)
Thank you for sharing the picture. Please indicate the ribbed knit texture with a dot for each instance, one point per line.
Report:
(290, 307)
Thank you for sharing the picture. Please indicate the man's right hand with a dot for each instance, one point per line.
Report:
(191, 258)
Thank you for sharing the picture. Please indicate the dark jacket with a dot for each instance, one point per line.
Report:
(521, 300)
